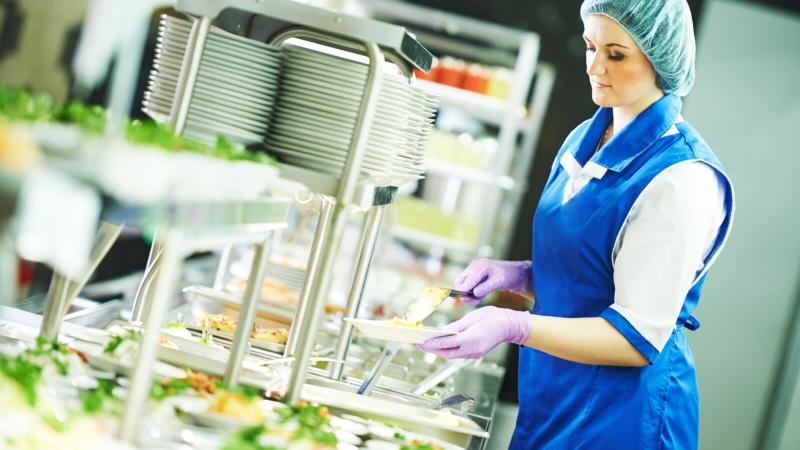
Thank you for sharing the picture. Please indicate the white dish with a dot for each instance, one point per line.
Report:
(381, 329)
(105, 362)
(403, 415)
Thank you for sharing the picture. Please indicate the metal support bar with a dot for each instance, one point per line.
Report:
(8, 267)
(379, 368)
(347, 186)
(56, 293)
(312, 272)
(62, 291)
(142, 376)
(188, 74)
(314, 309)
(247, 314)
(372, 224)
(531, 129)
(141, 299)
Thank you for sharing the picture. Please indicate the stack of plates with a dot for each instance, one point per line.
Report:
(236, 84)
(317, 109)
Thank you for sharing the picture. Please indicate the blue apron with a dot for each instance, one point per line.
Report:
(567, 405)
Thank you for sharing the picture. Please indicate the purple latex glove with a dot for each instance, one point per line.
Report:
(479, 332)
(484, 276)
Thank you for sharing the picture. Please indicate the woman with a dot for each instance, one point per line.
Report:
(635, 210)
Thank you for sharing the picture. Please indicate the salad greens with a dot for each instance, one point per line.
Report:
(90, 118)
(25, 368)
(167, 388)
(247, 439)
(25, 373)
(313, 421)
(20, 104)
(100, 399)
(245, 391)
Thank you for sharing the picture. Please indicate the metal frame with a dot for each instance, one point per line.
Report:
(339, 30)
(391, 38)
(531, 129)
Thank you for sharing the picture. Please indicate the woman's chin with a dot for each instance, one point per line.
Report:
(602, 99)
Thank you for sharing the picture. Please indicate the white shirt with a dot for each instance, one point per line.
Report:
(663, 244)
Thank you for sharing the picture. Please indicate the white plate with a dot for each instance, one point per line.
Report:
(404, 415)
(111, 364)
(239, 123)
(380, 329)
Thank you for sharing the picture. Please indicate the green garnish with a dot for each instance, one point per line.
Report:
(95, 400)
(417, 447)
(54, 350)
(399, 436)
(25, 373)
(245, 391)
(313, 422)
(247, 439)
(116, 341)
(176, 325)
(90, 118)
(206, 338)
(20, 104)
(168, 388)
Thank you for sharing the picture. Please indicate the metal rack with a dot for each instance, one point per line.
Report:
(275, 22)
(516, 116)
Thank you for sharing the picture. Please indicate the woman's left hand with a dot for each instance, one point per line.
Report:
(479, 332)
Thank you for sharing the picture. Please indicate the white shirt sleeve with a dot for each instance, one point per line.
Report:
(669, 232)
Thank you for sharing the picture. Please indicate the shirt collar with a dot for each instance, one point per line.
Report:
(634, 139)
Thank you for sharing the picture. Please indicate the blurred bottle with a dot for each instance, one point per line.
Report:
(500, 84)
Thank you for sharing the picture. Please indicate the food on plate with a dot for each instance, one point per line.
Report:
(167, 343)
(448, 418)
(240, 404)
(198, 382)
(227, 324)
(276, 335)
(416, 444)
(219, 322)
(32, 417)
(399, 321)
(427, 301)
(178, 328)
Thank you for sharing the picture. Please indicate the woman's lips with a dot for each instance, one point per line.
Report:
(600, 85)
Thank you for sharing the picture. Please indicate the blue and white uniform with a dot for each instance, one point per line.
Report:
(628, 234)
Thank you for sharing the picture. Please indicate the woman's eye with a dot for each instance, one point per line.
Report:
(590, 49)
(616, 57)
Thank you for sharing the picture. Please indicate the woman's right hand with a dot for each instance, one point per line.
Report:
(484, 276)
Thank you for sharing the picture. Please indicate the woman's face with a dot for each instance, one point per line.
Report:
(620, 74)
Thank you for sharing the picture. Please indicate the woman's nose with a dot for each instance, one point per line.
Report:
(594, 64)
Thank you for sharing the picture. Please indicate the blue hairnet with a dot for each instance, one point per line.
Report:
(663, 31)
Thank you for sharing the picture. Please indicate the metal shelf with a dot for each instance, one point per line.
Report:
(489, 109)
(438, 167)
